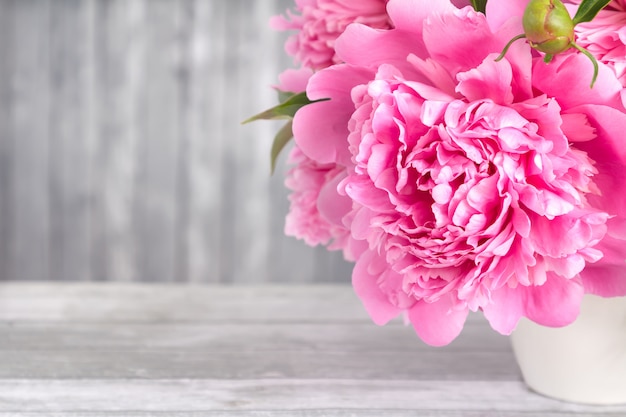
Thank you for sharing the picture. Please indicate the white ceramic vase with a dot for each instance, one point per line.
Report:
(584, 362)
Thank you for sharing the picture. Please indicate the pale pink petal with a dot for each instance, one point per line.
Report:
(294, 80)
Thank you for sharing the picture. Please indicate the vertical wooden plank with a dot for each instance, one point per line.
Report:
(225, 224)
(245, 171)
(155, 204)
(31, 103)
(199, 161)
(119, 64)
(7, 42)
(220, 204)
(71, 138)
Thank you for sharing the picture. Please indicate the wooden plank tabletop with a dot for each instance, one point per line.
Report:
(89, 349)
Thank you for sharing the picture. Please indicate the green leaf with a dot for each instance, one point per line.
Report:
(479, 5)
(285, 110)
(284, 95)
(281, 139)
(588, 9)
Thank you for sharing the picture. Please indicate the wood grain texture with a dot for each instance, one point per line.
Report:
(71, 138)
(31, 100)
(349, 396)
(122, 154)
(7, 69)
(304, 413)
(89, 349)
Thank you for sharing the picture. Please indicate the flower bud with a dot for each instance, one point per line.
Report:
(548, 26)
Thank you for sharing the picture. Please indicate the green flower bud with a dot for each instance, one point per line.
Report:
(550, 29)
(548, 26)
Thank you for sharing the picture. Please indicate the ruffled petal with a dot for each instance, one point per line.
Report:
(607, 277)
(490, 80)
(366, 281)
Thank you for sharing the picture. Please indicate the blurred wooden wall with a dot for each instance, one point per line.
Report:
(121, 153)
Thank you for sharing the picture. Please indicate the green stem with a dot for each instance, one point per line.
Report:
(593, 59)
(508, 45)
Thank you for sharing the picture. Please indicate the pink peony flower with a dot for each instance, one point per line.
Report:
(605, 35)
(310, 183)
(320, 22)
(476, 185)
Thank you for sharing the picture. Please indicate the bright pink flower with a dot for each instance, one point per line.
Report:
(320, 22)
(477, 185)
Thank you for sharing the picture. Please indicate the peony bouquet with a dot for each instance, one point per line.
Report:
(467, 156)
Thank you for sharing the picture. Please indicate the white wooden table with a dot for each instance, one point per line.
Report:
(164, 350)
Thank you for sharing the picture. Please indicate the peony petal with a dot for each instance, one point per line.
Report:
(438, 323)
(505, 310)
(501, 11)
(609, 153)
(577, 128)
(321, 138)
(331, 205)
(410, 14)
(366, 286)
(459, 53)
(490, 80)
(607, 277)
(555, 303)
(294, 80)
(568, 77)
(363, 46)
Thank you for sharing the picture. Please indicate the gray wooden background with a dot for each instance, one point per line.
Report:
(121, 153)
